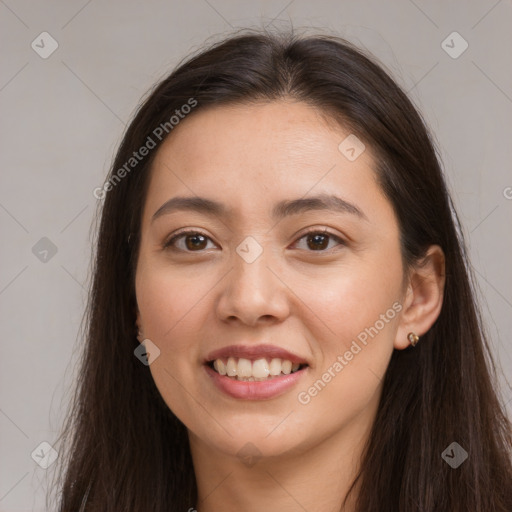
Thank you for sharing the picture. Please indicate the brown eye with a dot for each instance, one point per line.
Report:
(193, 242)
(319, 240)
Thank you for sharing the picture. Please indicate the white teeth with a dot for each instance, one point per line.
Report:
(275, 367)
(286, 367)
(244, 368)
(261, 369)
(219, 365)
(231, 367)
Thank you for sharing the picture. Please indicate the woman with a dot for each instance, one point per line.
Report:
(281, 314)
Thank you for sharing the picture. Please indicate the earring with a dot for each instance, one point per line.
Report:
(413, 338)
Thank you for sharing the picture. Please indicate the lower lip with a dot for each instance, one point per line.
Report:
(255, 390)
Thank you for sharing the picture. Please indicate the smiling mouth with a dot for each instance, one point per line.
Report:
(258, 370)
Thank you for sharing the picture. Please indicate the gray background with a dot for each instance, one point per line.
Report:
(63, 116)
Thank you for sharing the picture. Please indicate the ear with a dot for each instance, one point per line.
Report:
(423, 297)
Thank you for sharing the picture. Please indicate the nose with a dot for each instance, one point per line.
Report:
(253, 293)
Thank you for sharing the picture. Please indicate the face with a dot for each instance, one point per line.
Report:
(322, 283)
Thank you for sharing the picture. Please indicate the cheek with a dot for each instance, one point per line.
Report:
(176, 309)
(169, 302)
(169, 311)
(169, 308)
(345, 385)
(352, 299)
(360, 307)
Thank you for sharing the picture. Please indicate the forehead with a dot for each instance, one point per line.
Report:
(279, 133)
(250, 153)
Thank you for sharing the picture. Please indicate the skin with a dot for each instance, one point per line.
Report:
(309, 302)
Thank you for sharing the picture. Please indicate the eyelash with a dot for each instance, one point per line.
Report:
(170, 243)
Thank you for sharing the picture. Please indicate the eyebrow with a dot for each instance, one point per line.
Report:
(281, 210)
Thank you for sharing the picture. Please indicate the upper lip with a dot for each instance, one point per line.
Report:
(254, 352)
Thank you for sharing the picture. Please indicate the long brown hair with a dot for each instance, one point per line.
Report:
(122, 447)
